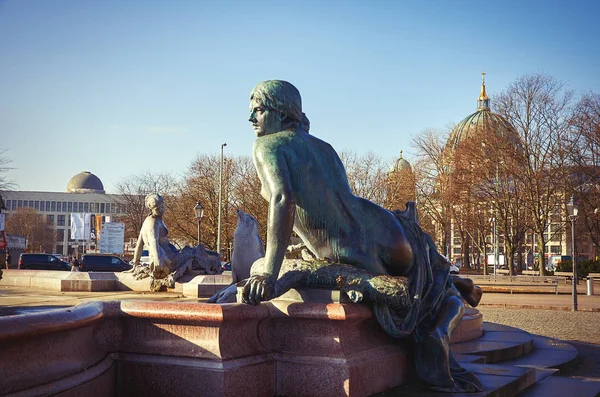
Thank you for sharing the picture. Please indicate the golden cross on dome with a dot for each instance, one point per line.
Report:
(482, 77)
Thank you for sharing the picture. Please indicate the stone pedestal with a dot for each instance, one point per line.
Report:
(140, 348)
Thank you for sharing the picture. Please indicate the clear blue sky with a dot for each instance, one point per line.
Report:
(120, 87)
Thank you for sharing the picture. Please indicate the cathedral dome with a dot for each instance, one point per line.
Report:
(85, 182)
(483, 122)
(401, 165)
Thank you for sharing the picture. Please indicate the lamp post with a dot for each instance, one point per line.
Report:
(573, 210)
(220, 197)
(198, 214)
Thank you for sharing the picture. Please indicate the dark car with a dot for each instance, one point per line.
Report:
(42, 262)
(102, 263)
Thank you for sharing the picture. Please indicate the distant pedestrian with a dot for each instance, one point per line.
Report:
(8, 258)
(74, 264)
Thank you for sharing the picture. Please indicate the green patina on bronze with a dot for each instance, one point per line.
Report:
(378, 257)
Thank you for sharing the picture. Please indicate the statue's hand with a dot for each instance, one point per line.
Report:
(258, 288)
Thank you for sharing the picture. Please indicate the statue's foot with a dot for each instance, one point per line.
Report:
(432, 361)
(438, 368)
(468, 290)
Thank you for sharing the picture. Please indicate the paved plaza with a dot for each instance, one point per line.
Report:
(18, 300)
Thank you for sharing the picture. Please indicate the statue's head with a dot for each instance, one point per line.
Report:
(155, 203)
(276, 105)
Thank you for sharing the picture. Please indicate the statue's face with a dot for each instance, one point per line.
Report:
(159, 210)
(264, 120)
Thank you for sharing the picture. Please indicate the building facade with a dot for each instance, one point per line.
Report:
(85, 194)
(484, 123)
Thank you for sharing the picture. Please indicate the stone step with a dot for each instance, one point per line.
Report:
(497, 380)
(548, 353)
(497, 344)
(562, 386)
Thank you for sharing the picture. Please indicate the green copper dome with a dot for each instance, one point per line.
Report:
(483, 120)
(401, 165)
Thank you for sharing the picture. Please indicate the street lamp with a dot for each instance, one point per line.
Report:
(198, 214)
(573, 210)
(220, 197)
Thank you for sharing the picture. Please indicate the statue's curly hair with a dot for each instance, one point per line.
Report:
(153, 200)
(283, 97)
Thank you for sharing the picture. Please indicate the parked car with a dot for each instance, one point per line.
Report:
(145, 258)
(102, 263)
(42, 262)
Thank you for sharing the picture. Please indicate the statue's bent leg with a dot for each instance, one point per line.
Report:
(433, 358)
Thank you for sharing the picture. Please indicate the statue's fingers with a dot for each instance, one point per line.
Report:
(252, 296)
(260, 289)
(246, 292)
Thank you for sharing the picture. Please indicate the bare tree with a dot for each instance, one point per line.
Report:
(432, 170)
(367, 175)
(245, 193)
(486, 183)
(5, 183)
(538, 107)
(586, 163)
(32, 225)
(400, 187)
(131, 194)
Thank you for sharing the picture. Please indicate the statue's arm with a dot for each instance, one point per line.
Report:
(138, 248)
(280, 222)
(275, 175)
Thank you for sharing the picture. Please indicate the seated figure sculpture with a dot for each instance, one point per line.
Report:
(166, 263)
(305, 184)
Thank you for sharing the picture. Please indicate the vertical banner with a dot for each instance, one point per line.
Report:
(76, 226)
(86, 226)
(93, 228)
(98, 226)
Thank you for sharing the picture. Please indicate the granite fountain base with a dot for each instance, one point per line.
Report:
(284, 347)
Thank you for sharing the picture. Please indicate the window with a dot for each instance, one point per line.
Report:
(59, 248)
(64, 206)
(86, 207)
(75, 207)
(60, 220)
(108, 208)
(53, 206)
(30, 203)
(19, 203)
(60, 235)
(50, 219)
(102, 208)
(14, 205)
(37, 205)
(80, 207)
(69, 207)
(48, 206)
(42, 206)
